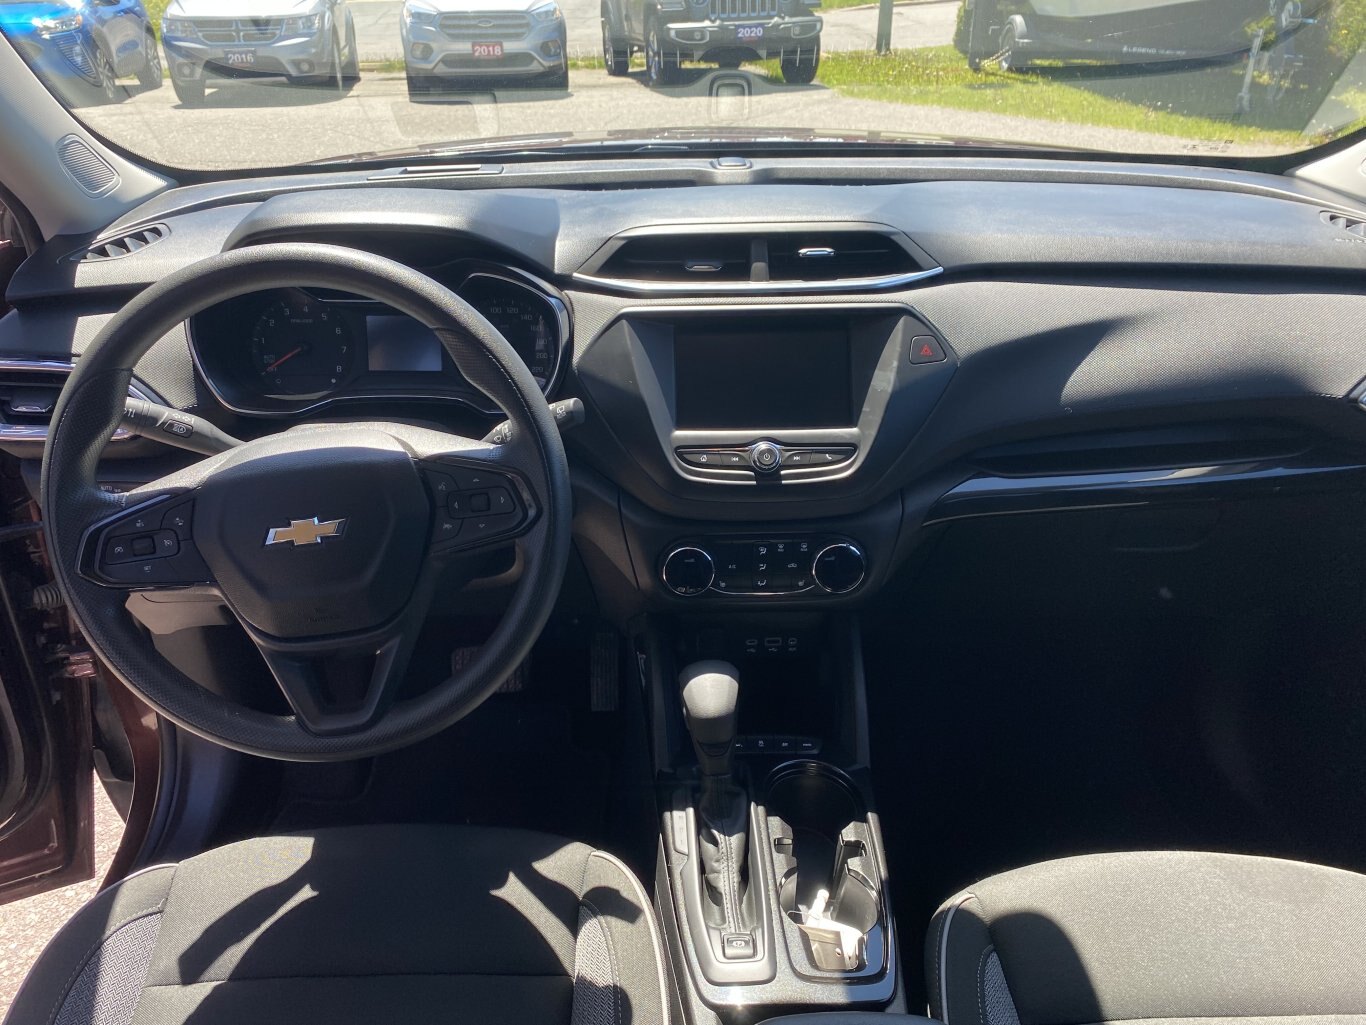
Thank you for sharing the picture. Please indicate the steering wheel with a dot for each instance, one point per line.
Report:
(326, 541)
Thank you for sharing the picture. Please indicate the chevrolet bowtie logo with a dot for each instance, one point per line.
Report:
(305, 532)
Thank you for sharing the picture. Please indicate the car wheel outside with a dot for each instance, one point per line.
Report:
(351, 74)
(800, 68)
(106, 84)
(661, 66)
(1008, 58)
(189, 91)
(558, 80)
(149, 75)
(730, 62)
(335, 79)
(419, 86)
(615, 57)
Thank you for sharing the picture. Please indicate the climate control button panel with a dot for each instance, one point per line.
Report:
(763, 566)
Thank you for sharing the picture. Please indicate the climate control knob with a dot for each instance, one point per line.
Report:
(839, 567)
(688, 571)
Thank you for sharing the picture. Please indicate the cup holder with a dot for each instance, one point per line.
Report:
(819, 833)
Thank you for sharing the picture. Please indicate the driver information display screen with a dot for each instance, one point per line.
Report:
(399, 343)
(782, 375)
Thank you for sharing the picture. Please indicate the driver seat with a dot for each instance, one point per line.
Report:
(368, 925)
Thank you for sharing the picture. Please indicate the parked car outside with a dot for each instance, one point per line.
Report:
(449, 41)
(82, 46)
(1015, 33)
(724, 32)
(308, 41)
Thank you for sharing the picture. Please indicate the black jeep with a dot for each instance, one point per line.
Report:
(725, 32)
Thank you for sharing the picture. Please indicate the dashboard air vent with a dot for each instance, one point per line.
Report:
(1343, 222)
(680, 257)
(834, 256)
(122, 245)
(29, 389)
(701, 259)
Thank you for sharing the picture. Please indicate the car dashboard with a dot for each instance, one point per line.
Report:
(788, 386)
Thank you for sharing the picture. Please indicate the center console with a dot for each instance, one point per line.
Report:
(772, 876)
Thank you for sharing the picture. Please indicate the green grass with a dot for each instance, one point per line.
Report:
(1189, 103)
(834, 5)
(155, 9)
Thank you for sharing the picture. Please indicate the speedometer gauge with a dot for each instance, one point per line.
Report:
(530, 320)
(300, 346)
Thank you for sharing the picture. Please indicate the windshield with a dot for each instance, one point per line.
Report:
(240, 84)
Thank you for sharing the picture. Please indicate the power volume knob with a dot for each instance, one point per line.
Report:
(839, 568)
(765, 456)
(688, 571)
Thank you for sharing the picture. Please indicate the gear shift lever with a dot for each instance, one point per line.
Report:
(711, 690)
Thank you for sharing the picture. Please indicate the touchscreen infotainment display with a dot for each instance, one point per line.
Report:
(397, 343)
(787, 374)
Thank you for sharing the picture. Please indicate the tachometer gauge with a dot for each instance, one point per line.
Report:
(300, 346)
(529, 319)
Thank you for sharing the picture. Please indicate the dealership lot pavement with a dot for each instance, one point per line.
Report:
(268, 124)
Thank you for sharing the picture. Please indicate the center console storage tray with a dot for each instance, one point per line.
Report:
(819, 838)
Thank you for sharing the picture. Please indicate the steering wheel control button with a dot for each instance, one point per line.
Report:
(445, 528)
(839, 568)
(765, 456)
(688, 571)
(472, 506)
(133, 551)
(490, 524)
(179, 518)
(442, 484)
(475, 480)
(927, 349)
(140, 547)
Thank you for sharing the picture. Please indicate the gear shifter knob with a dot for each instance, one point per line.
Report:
(711, 690)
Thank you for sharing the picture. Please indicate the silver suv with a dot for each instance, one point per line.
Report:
(300, 40)
(448, 41)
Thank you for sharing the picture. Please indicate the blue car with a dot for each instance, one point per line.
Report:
(81, 47)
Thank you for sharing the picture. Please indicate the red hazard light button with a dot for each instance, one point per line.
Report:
(927, 349)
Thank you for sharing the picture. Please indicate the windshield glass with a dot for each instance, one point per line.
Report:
(237, 84)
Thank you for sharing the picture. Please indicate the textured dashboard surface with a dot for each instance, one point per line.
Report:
(1069, 305)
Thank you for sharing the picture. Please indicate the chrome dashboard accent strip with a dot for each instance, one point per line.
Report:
(36, 434)
(878, 284)
(989, 495)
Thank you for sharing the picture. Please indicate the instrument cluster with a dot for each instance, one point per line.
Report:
(289, 351)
